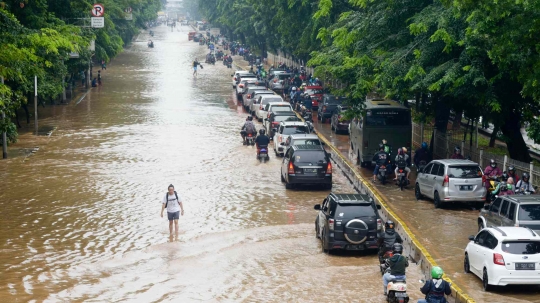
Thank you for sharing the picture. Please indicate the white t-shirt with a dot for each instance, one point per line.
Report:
(173, 205)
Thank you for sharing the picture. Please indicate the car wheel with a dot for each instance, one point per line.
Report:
(437, 200)
(417, 193)
(328, 186)
(485, 281)
(480, 225)
(316, 230)
(288, 185)
(324, 244)
(466, 265)
(282, 179)
(332, 127)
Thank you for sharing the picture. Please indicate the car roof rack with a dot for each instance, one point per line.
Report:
(499, 230)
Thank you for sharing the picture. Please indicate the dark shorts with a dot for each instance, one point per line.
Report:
(173, 216)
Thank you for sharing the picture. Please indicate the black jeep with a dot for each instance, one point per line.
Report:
(348, 221)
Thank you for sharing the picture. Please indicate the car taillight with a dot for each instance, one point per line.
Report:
(291, 169)
(339, 117)
(498, 259)
(445, 181)
(234, 78)
(275, 80)
(379, 224)
(331, 224)
(329, 168)
(324, 108)
(241, 85)
(249, 135)
(279, 139)
(483, 180)
(275, 123)
(260, 107)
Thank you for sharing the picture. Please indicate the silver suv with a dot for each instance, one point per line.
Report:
(451, 180)
(512, 211)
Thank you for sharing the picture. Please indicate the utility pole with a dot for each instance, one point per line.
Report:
(35, 105)
(4, 134)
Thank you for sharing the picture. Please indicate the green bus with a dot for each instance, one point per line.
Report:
(382, 119)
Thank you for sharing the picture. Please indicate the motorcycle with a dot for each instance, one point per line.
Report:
(402, 178)
(152, 33)
(382, 173)
(522, 191)
(421, 165)
(493, 183)
(229, 65)
(396, 289)
(250, 140)
(263, 155)
(151, 44)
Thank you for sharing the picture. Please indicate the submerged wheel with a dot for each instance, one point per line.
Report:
(437, 200)
(485, 281)
(417, 192)
(466, 265)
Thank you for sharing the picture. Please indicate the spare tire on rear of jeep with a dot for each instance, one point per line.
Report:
(356, 231)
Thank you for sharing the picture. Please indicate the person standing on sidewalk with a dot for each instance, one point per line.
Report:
(103, 65)
(99, 77)
(174, 206)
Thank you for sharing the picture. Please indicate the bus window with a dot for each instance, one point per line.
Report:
(388, 118)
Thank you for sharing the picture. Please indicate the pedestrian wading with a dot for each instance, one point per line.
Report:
(174, 207)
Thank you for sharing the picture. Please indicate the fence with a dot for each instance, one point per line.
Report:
(444, 144)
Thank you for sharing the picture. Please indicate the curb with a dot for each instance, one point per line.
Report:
(416, 250)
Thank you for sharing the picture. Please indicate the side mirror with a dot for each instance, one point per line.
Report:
(317, 207)
(282, 143)
(378, 206)
(274, 130)
(471, 238)
(329, 155)
(323, 143)
(265, 119)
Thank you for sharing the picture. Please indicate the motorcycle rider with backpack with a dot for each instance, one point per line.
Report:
(261, 141)
(397, 265)
(248, 128)
(401, 162)
(380, 158)
(436, 288)
(387, 239)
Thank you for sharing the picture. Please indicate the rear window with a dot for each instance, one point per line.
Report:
(282, 77)
(297, 129)
(267, 100)
(529, 212)
(358, 210)
(521, 247)
(310, 156)
(465, 172)
(286, 118)
(314, 91)
(334, 100)
(388, 117)
(307, 142)
(281, 108)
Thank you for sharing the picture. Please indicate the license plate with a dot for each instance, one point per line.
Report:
(525, 266)
(401, 295)
(401, 174)
(382, 169)
(355, 247)
(310, 170)
(465, 187)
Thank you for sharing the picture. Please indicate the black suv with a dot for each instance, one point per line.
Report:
(348, 221)
(327, 106)
(306, 164)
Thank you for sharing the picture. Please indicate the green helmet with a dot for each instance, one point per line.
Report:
(436, 272)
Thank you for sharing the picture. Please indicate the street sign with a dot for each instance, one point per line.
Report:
(98, 10)
(129, 16)
(128, 10)
(98, 22)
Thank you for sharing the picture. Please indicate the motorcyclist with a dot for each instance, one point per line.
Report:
(401, 161)
(248, 128)
(504, 178)
(457, 153)
(380, 158)
(422, 154)
(397, 265)
(387, 147)
(512, 173)
(436, 288)
(507, 188)
(261, 141)
(386, 239)
(492, 171)
(524, 185)
(306, 102)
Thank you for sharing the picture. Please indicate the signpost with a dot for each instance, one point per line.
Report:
(98, 22)
(129, 13)
(98, 10)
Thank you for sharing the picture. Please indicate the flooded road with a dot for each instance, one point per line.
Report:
(80, 216)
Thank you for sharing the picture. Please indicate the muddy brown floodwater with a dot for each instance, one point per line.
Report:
(80, 217)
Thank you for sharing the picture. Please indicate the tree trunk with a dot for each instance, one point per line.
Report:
(515, 144)
(472, 129)
(493, 136)
(466, 129)
(417, 103)
(27, 113)
(442, 114)
(456, 125)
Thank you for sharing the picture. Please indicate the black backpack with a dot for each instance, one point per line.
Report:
(436, 295)
(401, 162)
(167, 198)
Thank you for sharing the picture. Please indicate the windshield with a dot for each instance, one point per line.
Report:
(314, 91)
(334, 100)
(283, 77)
(285, 118)
(388, 117)
(268, 100)
(294, 129)
(464, 172)
(281, 108)
(307, 142)
(521, 247)
(529, 212)
(310, 157)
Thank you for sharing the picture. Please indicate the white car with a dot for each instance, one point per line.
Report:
(285, 129)
(256, 98)
(250, 93)
(235, 76)
(504, 255)
(302, 139)
(261, 112)
(243, 85)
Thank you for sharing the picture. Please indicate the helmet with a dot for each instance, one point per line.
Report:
(457, 150)
(436, 272)
(250, 118)
(503, 185)
(306, 95)
(381, 146)
(384, 141)
(294, 88)
(511, 169)
(262, 131)
(492, 163)
(504, 176)
(397, 248)
(525, 175)
(424, 145)
(389, 225)
(404, 150)
(400, 151)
